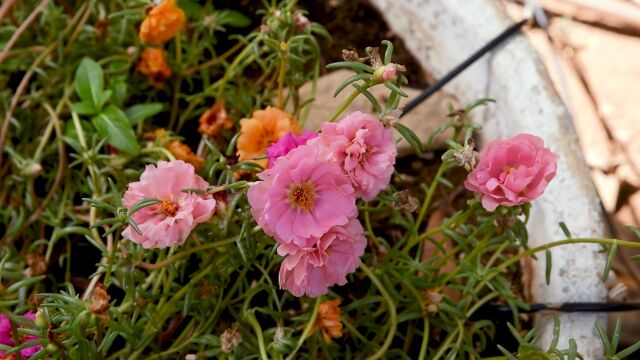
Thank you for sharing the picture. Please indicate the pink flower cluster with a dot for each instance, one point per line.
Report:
(512, 171)
(307, 200)
(169, 222)
(6, 337)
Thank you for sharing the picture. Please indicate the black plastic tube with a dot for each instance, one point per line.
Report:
(455, 72)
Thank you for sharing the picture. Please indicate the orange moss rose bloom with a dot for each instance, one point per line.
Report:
(180, 150)
(153, 65)
(162, 23)
(214, 120)
(329, 320)
(261, 130)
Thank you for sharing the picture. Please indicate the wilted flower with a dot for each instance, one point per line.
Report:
(230, 338)
(302, 197)
(153, 65)
(364, 149)
(36, 264)
(512, 171)
(6, 337)
(162, 23)
(169, 222)
(180, 150)
(464, 156)
(329, 320)
(100, 302)
(287, 143)
(312, 270)
(404, 201)
(214, 120)
(432, 299)
(301, 22)
(261, 130)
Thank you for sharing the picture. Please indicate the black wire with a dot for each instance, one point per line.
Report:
(570, 307)
(453, 73)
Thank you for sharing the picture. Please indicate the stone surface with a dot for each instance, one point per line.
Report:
(441, 34)
(422, 120)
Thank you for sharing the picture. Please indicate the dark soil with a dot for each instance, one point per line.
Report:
(357, 24)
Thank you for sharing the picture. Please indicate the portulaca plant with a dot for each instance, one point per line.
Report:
(162, 198)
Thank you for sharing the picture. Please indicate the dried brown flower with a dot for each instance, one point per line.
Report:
(37, 265)
(214, 120)
(230, 338)
(100, 302)
(329, 320)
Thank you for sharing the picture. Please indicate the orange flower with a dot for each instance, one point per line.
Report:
(179, 150)
(329, 320)
(162, 23)
(260, 131)
(153, 65)
(214, 120)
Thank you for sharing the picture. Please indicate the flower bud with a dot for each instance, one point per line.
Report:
(51, 348)
(301, 23)
(32, 169)
(40, 320)
(388, 72)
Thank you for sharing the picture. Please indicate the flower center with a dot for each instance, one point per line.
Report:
(365, 154)
(302, 196)
(169, 207)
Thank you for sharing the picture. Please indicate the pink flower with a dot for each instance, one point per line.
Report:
(334, 255)
(6, 338)
(286, 143)
(365, 150)
(169, 222)
(302, 197)
(389, 73)
(512, 172)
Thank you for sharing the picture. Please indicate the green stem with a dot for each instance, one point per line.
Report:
(282, 73)
(425, 339)
(392, 313)
(344, 106)
(429, 197)
(251, 318)
(307, 329)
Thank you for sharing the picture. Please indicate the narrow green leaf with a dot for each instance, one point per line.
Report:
(605, 340)
(140, 112)
(565, 229)
(573, 350)
(141, 205)
(612, 253)
(396, 89)
(89, 83)
(506, 353)
(349, 81)
(389, 52)
(410, 136)
(355, 66)
(628, 351)
(113, 124)
(24, 283)
(547, 269)
(232, 144)
(615, 337)
(363, 90)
